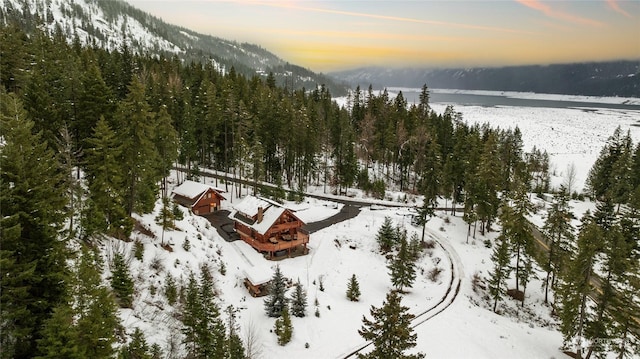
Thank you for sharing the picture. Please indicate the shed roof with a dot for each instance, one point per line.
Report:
(258, 274)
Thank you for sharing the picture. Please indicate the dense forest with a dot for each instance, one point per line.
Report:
(89, 137)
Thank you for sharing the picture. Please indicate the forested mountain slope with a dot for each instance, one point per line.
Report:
(615, 78)
(112, 24)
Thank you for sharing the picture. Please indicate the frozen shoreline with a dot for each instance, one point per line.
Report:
(527, 95)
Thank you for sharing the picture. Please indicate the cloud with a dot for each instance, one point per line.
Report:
(613, 4)
(292, 5)
(558, 14)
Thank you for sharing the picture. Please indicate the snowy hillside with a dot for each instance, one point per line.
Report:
(450, 315)
(111, 24)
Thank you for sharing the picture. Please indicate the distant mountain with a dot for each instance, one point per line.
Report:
(112, 23)
(615, 78)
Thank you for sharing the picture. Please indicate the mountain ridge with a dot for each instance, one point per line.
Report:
(111, 24)
(612, 78)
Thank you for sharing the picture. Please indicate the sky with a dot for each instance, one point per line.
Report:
(329, 35)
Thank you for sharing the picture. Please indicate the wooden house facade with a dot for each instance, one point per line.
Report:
(200, 198)
(269, 227)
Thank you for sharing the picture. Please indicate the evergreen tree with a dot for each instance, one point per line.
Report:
(170, 290)
(517, 229)
(106, 208)
(387, 235)
(501, 269)
(135, 127)
(353, 289)
(283, 327)
(299, 301)
(137, 348)
(559, 230)
(235, 348)
(575, 315)
(121, 281)
(390, 330)
(276, 301)
(203, 328)
(166, 217)
(402, 268)
(59, 335)
(32, 203)
(86, 326)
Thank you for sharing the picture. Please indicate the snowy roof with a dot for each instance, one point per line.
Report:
(191, 189)
(248, 207)
(258, 274)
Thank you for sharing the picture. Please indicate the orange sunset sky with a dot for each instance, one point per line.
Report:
(334, 35)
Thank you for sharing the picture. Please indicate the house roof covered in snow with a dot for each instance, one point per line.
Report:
(247, 210)
(191, 189)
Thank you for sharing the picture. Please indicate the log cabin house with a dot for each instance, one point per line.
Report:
(268, 227)
(200, 198)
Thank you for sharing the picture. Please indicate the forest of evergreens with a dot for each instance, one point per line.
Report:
(89, 137)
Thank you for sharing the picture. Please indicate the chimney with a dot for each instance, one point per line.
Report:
(260, 214)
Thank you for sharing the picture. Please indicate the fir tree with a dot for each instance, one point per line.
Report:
(389, 330)
(32, 203)
(135, 127)
(121, 281)
(235, 347)
(353, 289)
(574, 314)
(402, 268)
(559, 230)
(501, 269)
(387, 235)
(283, 327)
(276, 301)
(137, 348)
(59, 335)
(170, 290)
(299, 301)
(105, 210)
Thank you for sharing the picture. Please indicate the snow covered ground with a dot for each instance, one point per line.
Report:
(466, 327)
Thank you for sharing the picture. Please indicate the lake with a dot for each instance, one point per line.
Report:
(493, 100)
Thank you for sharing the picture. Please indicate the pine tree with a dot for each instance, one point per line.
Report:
(353, 289)
(501, 269)
(559, 230)
(276, 301)
(137, 348)
(386, 236)
(135, 127)
(402, 268)
(283, 327)
(517, 229)
(202, 326)
(121, 281)
(86, 326)
(299, 301)
(575, 315)
(389, 330)
(106, 209)
(235, 347)
(166, 217)
(170, 290)
(32, 203)
(59, 335)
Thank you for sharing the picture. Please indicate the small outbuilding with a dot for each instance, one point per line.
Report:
(200, 198)
(257, 280)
